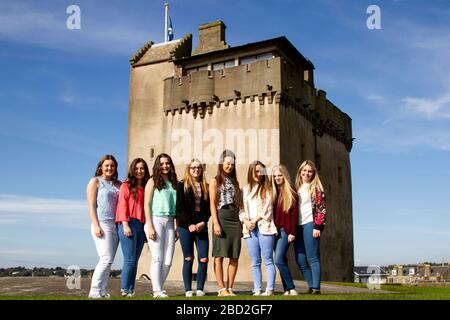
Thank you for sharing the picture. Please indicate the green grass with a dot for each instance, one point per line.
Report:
(397, 292)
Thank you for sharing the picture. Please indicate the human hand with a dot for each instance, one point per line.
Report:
(151, 233)
(200, 226)
(291, 238)
(217, 230)
(127, 231)
(250, 224)
(316, 233)
(98, 231)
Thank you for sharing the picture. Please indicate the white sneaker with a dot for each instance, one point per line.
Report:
(189, 294)
(256, 292)
(293, 292)
(286, 293)
(106, 296)
(130, 294)
(160, 294)
(267, 293)
(200, 293)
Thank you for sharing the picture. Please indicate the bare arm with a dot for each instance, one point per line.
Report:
(212, 196)
(91, 195)
(148, 198)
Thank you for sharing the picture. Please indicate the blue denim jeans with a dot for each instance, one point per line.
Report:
(307, 253)
(187, 240)
(281, 249)
(258, 244)
(131, 250)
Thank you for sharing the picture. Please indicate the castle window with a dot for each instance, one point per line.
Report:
(152, 152)
(340, 175)
(256, 57)
(192, 70)
(318, 161)
(223, 65)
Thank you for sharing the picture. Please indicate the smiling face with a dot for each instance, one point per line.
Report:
(257, 172)
(195, 169)
(278, 177)
(228, 165)
(108, 169)
(139, 171)
(164, 164)
(307, 174)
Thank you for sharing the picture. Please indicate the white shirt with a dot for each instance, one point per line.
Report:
(305, 207)
(252, 203)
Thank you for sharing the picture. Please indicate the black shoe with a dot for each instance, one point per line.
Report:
(315, 291)
(310, 290)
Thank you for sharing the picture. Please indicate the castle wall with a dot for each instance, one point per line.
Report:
(145, 117)
(298, 143)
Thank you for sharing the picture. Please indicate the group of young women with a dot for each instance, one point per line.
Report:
(269, 213)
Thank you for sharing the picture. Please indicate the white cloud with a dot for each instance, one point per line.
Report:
(431, 108)
(31, 252)
(402, 136)
(49, 212)
(34, 205)
(103, 29)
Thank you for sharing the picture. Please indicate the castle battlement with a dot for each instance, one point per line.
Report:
(266, 81)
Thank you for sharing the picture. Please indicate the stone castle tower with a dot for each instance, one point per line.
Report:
(258, 100)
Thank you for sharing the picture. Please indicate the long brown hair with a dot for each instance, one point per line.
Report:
(157, 176)
(188, 181)
(263, 181)
(132, 179)
(285, 195)
(99, 171)
(315, 180)
(221, 175)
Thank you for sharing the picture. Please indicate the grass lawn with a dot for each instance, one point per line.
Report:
(397, 292)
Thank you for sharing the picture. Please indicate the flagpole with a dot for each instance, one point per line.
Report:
(166, 20)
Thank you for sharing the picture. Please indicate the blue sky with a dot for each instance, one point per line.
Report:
(64, 100)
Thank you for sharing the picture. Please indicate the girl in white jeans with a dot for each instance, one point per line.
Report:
(160, 213)
(102, 195)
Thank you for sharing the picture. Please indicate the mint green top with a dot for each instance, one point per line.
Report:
(164, 201)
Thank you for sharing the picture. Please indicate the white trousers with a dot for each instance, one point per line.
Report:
(106, 249)
(161, 250)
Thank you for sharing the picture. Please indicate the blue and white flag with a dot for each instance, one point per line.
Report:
(170, 30)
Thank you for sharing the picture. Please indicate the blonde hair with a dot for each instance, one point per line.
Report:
(286, 194)
(188, 181)
(315, 180)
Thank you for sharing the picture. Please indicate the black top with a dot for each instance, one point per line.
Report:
(186, 207)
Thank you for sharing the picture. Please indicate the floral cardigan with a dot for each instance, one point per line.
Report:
(319, 209)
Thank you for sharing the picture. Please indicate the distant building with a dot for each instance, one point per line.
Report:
(422, 273)
(369, 274)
